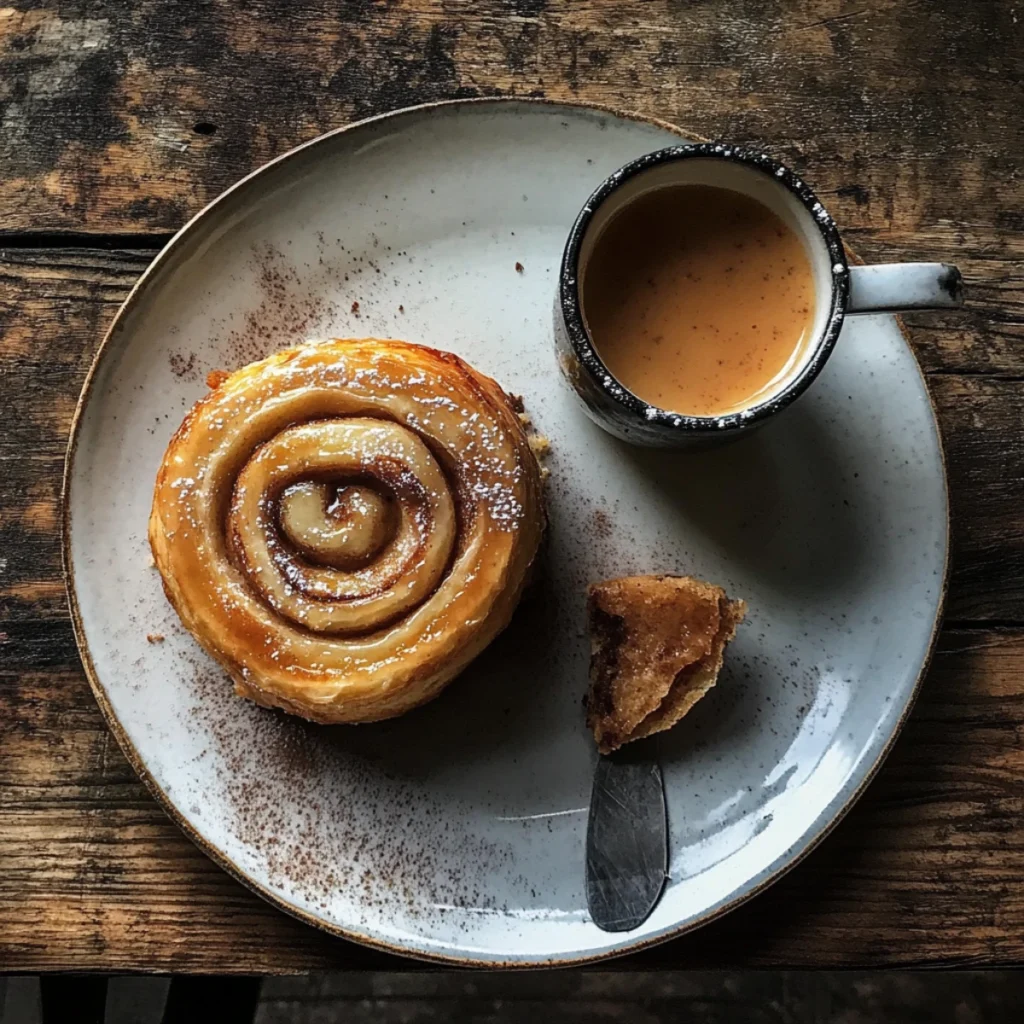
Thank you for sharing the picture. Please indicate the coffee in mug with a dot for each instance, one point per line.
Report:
(699, 299)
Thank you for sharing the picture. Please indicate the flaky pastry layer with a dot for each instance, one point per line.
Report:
(344, 526)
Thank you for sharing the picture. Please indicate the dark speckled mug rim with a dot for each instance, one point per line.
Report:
(579, 337)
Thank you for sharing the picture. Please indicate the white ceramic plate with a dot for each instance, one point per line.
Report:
(458, 832)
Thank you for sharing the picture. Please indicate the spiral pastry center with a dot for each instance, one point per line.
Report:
(342, 525)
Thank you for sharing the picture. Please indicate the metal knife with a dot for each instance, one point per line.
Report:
(627, 839)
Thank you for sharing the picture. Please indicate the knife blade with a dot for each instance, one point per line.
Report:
(627, 839)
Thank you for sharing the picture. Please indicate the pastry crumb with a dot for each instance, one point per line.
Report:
(155, 638)
(657, 646)
(215, 378)
(540, 445)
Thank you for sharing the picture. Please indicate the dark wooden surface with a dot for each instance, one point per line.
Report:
(557, 997)
(120, 120)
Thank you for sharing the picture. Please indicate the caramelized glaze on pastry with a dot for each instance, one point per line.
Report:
(344, 526)
(657, 644)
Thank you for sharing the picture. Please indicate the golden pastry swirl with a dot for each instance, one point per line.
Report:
(346, 525)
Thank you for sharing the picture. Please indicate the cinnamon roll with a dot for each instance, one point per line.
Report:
(344, 526)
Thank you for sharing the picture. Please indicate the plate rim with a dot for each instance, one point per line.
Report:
(219, 857)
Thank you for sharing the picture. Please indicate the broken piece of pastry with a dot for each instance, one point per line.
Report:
(657, 644)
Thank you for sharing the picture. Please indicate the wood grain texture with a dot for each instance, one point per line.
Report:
(55, 305)
(118, 121)
(131, 116)
(642, 997)
(924, 871)
(94, 876)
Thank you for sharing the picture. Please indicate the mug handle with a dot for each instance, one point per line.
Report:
(892, 287)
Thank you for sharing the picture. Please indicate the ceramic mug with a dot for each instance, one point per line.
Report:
(840, 290)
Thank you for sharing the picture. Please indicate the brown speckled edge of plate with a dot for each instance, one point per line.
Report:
(137, 762)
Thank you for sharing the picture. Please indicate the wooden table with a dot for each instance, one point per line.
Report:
(119, 121)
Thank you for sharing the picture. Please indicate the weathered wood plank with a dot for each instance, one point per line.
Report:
(924, 871)
(643, 997)
(129, 117)
(987, 336)
(55, 305)
(122, 120)
(980, 420)
(92, 874)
